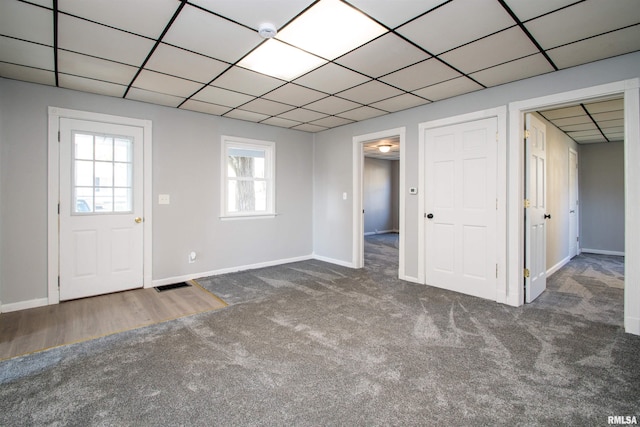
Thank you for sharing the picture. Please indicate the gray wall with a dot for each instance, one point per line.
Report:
(333, 150)
(380, 195)
(601, 169)
(186, 165)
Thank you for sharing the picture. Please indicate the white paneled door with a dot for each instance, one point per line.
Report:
(573, 203)
(461, 207)
(536, 214)
(101, 208)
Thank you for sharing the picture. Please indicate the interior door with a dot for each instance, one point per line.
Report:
(535, 214)
(573, 203)
(461, 207)
(101, 208)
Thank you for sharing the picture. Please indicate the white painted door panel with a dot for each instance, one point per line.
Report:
(460, 203)
(573, 203)
(101, 208)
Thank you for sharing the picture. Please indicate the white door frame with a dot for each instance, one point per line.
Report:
(357, 257)
(55, 114)
(572, 203)
(501, 190)
(630, 89)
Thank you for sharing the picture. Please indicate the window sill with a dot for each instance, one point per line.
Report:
(251, 216)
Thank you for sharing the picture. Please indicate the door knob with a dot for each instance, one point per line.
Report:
(138, 220)
(430, 216)
(547, 216)
(572, 211)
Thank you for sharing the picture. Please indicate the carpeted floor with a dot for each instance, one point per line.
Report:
(311, 343)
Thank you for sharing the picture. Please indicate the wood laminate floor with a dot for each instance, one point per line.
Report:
(28, 331)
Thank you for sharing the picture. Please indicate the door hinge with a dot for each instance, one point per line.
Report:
(527, 134)
(527, 203)
(496, 271)
(526, 273)
(58, 282)
(58, 136)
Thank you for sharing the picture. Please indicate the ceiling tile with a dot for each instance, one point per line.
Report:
(264, 106)
(390, 14)
(611, 124)
(104, 42)
(246, 115)
(332, 122)
(614, 136)
(580, 127)
(309, 128)
(332, 105)
(370, 92)
(224, 97)
(302, 115)
(276, 12)
(27, 74)
(582, 20)
(246, 81)
(590, 140)
(331, 78)
(610, 44)
(162, 83)
(45, 3)
(382, 56)
(400, 102)
(362, 113)
(570, 121)
(95, 68)
(91, 86)
(211, 35)
(490, 51)
(25, 53)
(585, 134)
(188, 65)
(154, 97)
(279, 121)
(456, 23)
(26, 22)
(527, 9)
(204, 107)
(426, 73)
(605, 106)
(448, 89)
(559, 113)
(136, 16)
(294, 94)
(610, 115)
(514, 70)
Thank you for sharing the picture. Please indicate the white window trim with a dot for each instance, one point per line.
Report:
(270, 172)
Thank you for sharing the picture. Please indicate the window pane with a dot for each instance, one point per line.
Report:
(122, 174)
(246, 163)
(104, 148)
(246, 196)
(122, 150)
(83, 173)
(83, 146)
(104, 200)
(83, 200)
(122, 200)
(104, 174)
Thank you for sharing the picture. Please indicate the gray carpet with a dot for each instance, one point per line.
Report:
(311, 343)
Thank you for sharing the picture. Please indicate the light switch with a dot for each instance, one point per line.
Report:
(164, 199)
(344, 196)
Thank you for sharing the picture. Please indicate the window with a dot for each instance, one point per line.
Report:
(248, 177)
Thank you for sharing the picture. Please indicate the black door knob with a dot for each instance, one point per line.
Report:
(430, 216)
(547, 216)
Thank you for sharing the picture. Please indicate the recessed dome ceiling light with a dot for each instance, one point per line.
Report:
(267, 31)
(384, 148)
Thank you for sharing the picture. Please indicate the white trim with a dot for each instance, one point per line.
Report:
(333, 261)
(24, 305)
(500, 113)
(575, 238)
(411, 279)
(558, 266)
(357, 255)
(54, 116)
(602, 252)
(630, 90)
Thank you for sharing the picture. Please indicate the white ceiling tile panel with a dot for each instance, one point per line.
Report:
(569, 121)
(246, 115)
(331, 78)
(264, 106)
(34, 75)
(583, 20)
(204, 107)
(302, 115)
(97, 40)
(604, 46)
(609, 124)
(528, 9)
(514, 70)
(400, 102)
(448, 89)
(585, 133)
(144, 17)
(162, 83)
(224, 97)
(362, 113)
(210, 35)
(95, 68)
(559, 113)
(242, 80)
(391, 13)
(382, 56)
(178, 62)
(45, 3)
(604, 106)
(457, 23)
(332, 105)
(331, 122)
(490, 51)
(611, 115)
(370, 92)
(276, 12)
(579, 127)
(25, 53)
(26, 22)
(309, 128)
(294, 94)
(279, 121)
(91, 86)
(426, 73)
(154, 97)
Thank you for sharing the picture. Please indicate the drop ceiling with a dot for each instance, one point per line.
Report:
(193, 55)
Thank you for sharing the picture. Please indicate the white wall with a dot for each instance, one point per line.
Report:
(380, 195)
(186, 165)
(601, 168)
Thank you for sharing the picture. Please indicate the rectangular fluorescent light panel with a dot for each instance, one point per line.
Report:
(280, 60)
(330, 29)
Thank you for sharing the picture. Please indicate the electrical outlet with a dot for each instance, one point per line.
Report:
(192, 257)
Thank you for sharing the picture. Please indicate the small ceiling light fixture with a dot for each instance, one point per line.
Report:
(267, 31)
(384, 148)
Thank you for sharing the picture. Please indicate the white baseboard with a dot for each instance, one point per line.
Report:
(23, 305)
(602, 252)
(409, 279)
(632, 325)
(558, 266)
(333, 261)
(177, 279)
